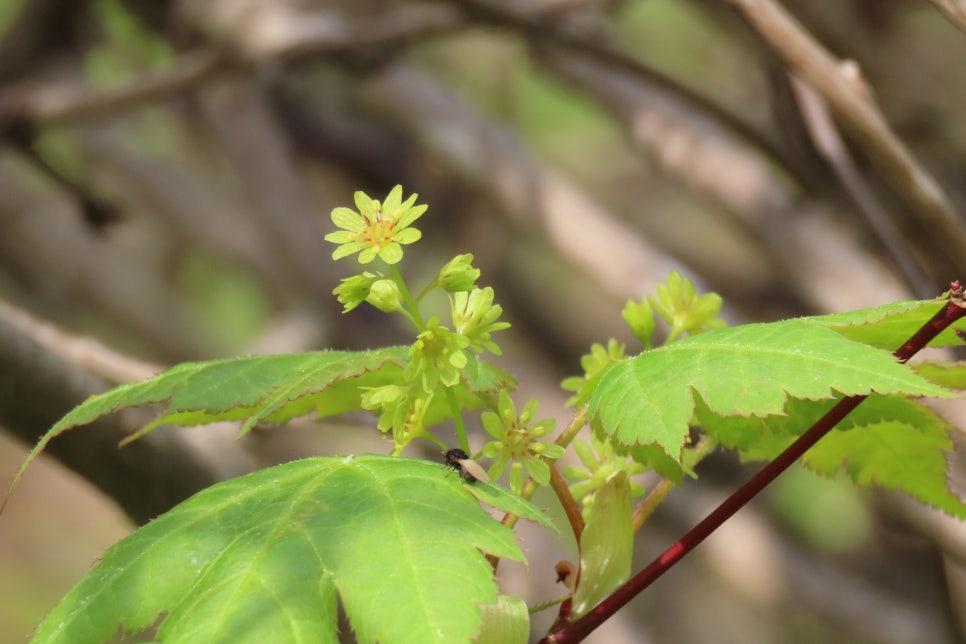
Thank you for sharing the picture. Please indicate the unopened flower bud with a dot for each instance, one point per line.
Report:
(385, 296)
(458, 274)
(354, 290)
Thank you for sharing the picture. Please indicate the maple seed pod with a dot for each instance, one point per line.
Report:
(469, 469)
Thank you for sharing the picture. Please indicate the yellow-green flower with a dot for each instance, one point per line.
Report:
(518, 442)
(600, 462)
(377, 229)
(475, 317)
(436, 357)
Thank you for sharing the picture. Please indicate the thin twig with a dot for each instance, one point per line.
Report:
(954, 10)
(283, 37)
(828, 143)
(541, 31)
(711, 163)
(840, 83)
(56, 103)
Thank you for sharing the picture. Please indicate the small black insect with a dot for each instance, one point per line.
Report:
(469, 469)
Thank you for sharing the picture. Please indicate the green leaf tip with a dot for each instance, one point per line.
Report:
(889, 326)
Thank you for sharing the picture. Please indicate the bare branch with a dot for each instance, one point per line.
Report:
(825, 136)
(542, 31)
(840, 83)
(955, 10)
(263, 33)
(263, 30)
(693, 148)
(40, 383)
(57, 103)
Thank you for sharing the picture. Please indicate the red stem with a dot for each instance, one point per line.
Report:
(578, 630)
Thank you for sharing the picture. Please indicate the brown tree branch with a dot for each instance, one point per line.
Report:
(40, 382)
(842, 86)
(825, 136)
(954, 10)
(55, 103)
(711, 162)
(538, 25)
(266, 34)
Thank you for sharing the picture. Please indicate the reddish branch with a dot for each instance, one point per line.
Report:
(577, 631)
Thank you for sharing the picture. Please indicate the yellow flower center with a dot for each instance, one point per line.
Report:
(380, 232)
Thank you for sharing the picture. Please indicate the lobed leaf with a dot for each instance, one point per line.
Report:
(894, 455)
(889, 441)
(946, 374)
(272, 389)
(749, 370)
(264, 558)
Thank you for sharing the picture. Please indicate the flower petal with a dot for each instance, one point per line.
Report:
(391, 253)
(407, 236)
(492, 424)
(391, 205)
(342, 237)
(457, 359)
(347, 249)
(538, 469)
(365, 205)
(411, 215)
(348, 219)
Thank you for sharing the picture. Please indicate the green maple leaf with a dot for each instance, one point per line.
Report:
(265, 558)
(749, 370)
(947, 374)
(272, 389)
(889, 441)
(893, 455)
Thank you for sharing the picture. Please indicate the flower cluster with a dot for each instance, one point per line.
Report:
(401, 408)
(600, 464)
(594, 365)
(679, 305)
(458, 274)
(475, 318)
(439, 354)
(378, 290)
(437, 357)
